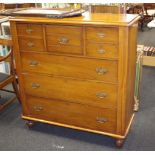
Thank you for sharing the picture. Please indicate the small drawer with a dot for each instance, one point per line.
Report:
(72, 90)
(81, 68)
(65, 44)
(102, 50)
(30, 30)
(102, 34)
(63, 39)
(29, 44)
(72, 114)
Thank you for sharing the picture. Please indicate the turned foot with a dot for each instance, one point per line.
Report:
(30, 124)
(119, 142)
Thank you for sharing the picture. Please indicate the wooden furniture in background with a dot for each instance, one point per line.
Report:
(145, 17)
(78, 72)
(106, 9)
(149, 56)
(6, 79)
(149, 6)
(16, 5)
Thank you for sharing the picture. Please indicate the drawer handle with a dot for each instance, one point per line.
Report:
(63, 40)
(101, 95)
(29, 31)
(38, 108)
(35, 85)
(101, 120)
(33, 63)
(30, 44)
(101, 35)
(101, 51)
(101, 71)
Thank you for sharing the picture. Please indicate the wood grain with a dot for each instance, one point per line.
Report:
(31, 44)
(100, 50)
(71, 90)
(29, 30)
(39, 108)
(102, 34)
(70, 66)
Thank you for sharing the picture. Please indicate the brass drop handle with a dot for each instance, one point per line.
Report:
(101, 95)
(30, 44)
(101, 70)
(38, 108)
(101, 35)
(35, 85)
(101, 119)
(63, 40)
(33, 63)
(29, 31)
(101, 51)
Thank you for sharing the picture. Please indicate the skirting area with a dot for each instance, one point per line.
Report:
(16, 136)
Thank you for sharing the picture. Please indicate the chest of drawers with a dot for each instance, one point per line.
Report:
(77, 72)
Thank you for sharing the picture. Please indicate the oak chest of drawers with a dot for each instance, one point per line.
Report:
(77, 72)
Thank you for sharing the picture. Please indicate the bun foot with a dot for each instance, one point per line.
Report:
(30, 124)
(119, 142)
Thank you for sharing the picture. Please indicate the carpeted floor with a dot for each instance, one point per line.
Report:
(14, 134)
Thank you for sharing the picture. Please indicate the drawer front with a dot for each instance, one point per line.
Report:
(102, 50)
(103, 70)
(30, 30)
(70, 30)
(102, 34)
(29, 44)
(61, 39)
(64, 39)
(78, 91)
(72, 114)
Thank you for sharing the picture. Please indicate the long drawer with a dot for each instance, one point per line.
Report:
(72, 114)
(78, 91)
(104, 70)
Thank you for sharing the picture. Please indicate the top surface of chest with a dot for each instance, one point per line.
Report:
(86, 19)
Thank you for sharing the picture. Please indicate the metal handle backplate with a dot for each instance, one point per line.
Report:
(101, 119)
(101, 35)
(63, 40)
(101, 94)
(101, 51)
(30, 44)
(38, 108)
(101, 70)
(35, 85)
(29, 31)
(33, 63)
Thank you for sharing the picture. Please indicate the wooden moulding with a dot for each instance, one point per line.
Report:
(80, 128)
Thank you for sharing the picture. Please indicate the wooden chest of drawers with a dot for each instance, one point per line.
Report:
(78, 72)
